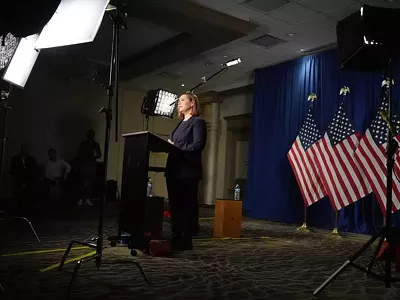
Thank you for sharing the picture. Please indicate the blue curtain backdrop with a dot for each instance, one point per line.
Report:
(279, 109)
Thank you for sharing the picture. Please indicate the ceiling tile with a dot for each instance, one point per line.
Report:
(307, 40)
(314, 25)
(317, 41)
(341, 13)
(293, 14)
(271, 23)
(324, 6)
(245, 13)
(305, 31)
(246, 50)
(266, 6)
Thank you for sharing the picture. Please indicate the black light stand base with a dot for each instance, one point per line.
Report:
(97, 257)
(385, 233)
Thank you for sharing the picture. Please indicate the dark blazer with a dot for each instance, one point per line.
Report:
(184, 160)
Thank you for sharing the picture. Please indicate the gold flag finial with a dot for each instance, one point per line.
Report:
(344, 90)
(312, 97)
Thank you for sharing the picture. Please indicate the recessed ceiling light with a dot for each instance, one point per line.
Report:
(226, 56)
(183, 84)
(302, 50)
(291, 34)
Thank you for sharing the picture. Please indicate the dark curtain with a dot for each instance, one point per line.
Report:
(279, 109)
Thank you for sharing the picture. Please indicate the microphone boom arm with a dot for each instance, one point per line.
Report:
(204, 81)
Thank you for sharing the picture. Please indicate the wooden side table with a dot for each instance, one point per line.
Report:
(228, 218)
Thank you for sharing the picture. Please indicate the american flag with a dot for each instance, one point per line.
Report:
(301, 157)
(336, 163)
(371, 159)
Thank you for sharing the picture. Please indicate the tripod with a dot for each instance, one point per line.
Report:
(112, 90)
(387, 232)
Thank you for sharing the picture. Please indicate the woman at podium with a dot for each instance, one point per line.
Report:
(184, 171)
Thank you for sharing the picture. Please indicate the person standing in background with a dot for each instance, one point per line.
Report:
(56, 171)
(88, 153)
(23, 171)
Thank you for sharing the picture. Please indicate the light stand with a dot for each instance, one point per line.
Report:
(112, 90)
(387, 232)
(5, 107)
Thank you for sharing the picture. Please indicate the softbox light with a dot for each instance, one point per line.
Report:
(158, 103)
(368, 38)
(22, 62)
(74, 22)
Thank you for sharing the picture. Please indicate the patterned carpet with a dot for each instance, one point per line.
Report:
(283, 264)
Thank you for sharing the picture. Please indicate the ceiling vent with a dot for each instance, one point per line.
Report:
(266, 6)
(267, 41)
(171, 76)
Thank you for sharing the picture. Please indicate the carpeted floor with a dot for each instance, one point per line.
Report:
(283, 264)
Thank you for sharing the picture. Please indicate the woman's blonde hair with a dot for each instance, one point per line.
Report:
(196, 106)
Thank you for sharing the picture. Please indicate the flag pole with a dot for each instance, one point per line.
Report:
(343, 92)
(312, 97)
(335, 230)
(304, 226)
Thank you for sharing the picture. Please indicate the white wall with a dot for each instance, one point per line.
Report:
(239, 103)
(234, 103)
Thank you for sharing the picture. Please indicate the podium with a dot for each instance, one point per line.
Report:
(138, 213)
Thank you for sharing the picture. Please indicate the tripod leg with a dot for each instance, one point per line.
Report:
(344, 266)
(331, 278)
(146, 279)
(71, 283)
(378, 248)
(76, 269)
(30, 224)
(65, 255)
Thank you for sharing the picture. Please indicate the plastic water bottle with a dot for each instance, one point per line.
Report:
(237, 192)
(149, 188)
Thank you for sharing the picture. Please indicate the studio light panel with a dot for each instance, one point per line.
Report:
(22, 62)
(164, 100)
(159, 103)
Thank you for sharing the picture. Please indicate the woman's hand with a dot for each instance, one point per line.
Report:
(171, 142)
